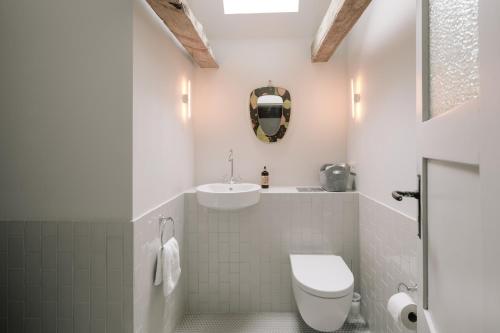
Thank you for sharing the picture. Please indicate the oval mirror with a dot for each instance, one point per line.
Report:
(270, 109)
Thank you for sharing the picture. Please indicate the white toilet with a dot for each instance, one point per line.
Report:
(323, 288)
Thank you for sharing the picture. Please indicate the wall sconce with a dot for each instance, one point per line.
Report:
(186, 98)
(355, 98)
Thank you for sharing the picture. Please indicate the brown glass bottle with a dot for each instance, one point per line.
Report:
(264, 179)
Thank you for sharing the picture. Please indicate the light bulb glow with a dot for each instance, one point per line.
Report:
(186, 100)
(353, 103)
(189, 99)
(355, 99)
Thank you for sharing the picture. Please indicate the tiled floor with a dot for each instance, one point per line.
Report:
(271, 322)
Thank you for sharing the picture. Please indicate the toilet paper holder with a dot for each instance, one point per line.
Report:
(410, 288)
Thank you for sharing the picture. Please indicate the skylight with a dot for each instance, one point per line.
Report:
(260, 6)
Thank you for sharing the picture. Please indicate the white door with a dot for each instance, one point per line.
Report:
(457, 44)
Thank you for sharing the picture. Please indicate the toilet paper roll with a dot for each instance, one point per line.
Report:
(403, 310)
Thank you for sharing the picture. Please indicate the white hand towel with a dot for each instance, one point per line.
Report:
(159, 267)
(171, 266)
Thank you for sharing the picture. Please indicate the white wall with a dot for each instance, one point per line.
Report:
(382, 146)
(317, 130)
(66, 110)
(489, 28)
(162, 139)
(382, 139)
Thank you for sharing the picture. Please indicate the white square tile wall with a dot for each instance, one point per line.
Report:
(152, 312)
(97, 277)
(388, 255)
(238, 261)
(65, 277)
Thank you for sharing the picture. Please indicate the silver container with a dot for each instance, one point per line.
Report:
(334, 177)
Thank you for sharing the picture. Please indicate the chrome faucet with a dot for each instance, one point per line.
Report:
(230, 159)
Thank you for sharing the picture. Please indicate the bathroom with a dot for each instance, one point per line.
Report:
(133, 142)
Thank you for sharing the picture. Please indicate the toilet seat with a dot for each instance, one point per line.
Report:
(325, 276)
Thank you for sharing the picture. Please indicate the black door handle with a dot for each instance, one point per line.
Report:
(399, 195)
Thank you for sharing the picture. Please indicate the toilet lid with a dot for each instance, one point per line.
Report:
(322, 275)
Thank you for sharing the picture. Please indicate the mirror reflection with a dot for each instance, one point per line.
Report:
(270, 110)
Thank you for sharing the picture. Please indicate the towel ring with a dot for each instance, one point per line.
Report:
(163, 221)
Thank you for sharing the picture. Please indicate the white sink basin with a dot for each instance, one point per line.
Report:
(228, 196)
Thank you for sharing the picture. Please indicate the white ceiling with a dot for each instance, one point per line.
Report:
(217, 25)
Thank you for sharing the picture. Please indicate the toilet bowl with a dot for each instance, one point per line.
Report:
(323, 288)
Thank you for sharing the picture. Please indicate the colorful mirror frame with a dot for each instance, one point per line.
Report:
(285, 116)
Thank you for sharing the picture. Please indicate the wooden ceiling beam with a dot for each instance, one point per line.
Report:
(338, 21)
(180, 20)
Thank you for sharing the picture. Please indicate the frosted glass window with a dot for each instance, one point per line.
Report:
(454, 53)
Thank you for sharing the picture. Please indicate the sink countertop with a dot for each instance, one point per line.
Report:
(279, 189)
(293, 189)
(284, 189)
